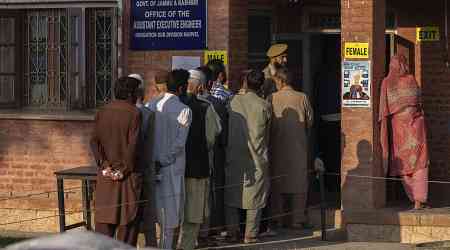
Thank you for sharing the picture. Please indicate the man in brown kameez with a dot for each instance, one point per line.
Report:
(119, 178)
(292, 117)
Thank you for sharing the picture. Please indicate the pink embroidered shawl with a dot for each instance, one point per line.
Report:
(403, 135)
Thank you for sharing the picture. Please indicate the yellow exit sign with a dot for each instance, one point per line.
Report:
(427, 34)
(356, 50)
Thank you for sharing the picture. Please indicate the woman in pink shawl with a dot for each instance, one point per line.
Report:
(403, 135)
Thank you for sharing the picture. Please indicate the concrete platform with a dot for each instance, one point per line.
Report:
(398, 225)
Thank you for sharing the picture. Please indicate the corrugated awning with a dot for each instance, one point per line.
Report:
(40, 4)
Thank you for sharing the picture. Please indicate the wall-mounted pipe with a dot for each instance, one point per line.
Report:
(446, 33)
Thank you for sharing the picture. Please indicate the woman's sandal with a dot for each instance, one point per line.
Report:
(422, 207)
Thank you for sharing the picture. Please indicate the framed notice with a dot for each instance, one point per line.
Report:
(356, 84)
(168, 24)
(185, 62)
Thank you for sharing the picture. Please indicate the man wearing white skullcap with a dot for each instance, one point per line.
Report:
(144, 147)
(200, 143)
(137, 77)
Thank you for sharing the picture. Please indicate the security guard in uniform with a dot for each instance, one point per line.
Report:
(277, 54)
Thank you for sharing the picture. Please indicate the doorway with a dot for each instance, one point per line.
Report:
(315, 61)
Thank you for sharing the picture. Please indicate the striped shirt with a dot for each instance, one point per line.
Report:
(219, 92)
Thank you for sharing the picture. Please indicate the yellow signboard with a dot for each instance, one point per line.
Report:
(427, 34)
(356, 50)
(216, 54)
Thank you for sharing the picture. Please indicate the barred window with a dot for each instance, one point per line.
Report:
(7, 62)
(46, 52)
(67, 58)
(103, 56)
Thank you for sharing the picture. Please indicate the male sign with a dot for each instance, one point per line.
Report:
(216, 54)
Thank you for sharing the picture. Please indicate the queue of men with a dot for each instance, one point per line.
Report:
(186, 153)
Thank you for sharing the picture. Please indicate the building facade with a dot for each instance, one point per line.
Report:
(60, 59)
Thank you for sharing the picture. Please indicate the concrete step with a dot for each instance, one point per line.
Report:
(333, 217)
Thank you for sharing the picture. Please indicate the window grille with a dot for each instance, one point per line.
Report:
(46, 49)
(8, 61)
(103, 55)
(55, 41)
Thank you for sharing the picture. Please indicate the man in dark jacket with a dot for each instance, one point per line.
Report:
(146, 163)
(217, 217)
(119, 179)
(200, 143)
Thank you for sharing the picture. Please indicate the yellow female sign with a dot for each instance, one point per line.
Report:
(356, 50)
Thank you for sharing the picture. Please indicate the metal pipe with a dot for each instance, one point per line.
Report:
(446, 32)
(322, 206)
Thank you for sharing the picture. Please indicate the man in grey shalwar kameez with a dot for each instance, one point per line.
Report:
(247, 167)
(172, 121)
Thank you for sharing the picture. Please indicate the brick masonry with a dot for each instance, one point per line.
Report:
(433, 75)
(227, 28)
(427, 60)
(360, 142)
(30, 152)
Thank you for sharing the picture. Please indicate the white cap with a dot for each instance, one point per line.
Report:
(137, 77)
(197, 75)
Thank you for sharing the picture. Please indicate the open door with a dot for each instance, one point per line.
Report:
(315, 60)
(399, 45)
(395, 195)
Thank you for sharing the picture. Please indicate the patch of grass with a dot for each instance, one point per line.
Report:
(4, 241)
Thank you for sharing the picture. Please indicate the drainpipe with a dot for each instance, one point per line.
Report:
(446, 33)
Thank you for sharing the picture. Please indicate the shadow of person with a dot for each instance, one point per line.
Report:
(356, 182)
(289, 167)
(363, 197)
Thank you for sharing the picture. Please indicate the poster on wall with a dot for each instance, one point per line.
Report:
(356, 84)
(168, 24)
(185, 62)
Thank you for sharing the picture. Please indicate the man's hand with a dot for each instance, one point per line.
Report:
(107, 172)
(117, 175)
(319, 166)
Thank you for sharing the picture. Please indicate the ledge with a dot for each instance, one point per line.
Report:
(47, 115)
(438, 217)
